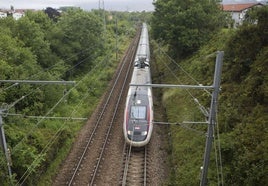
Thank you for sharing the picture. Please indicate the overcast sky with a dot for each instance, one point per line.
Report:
(120, 5)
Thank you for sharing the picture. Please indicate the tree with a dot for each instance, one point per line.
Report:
(52, 13)
(33, 37)
(77, 38)
(185, 25)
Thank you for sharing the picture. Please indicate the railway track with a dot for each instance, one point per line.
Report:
(134, 166)
(85, 164)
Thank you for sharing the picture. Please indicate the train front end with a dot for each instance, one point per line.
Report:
(138, 119)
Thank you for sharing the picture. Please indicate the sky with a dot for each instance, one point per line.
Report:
(119, 5)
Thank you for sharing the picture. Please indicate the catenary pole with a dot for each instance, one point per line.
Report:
(4, 144)
(212, 117)
(212, 114)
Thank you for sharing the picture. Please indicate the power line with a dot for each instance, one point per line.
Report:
(42, 118)
(212, 115)
(179, 66)
(37, 82)
(183, 125)
(16, 82)
(52, 140)
(48, 117)
(28, 171)
(202, 108)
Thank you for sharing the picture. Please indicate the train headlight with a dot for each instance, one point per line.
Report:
(144, 133)
(129, 132)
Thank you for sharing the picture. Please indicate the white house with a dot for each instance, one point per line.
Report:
(3, 14)
(238, 11)
(17, 14)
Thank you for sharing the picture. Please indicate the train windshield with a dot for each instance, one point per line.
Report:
(138, 112)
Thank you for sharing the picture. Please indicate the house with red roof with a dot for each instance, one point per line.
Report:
(238, 11)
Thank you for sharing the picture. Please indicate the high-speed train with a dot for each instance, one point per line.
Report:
(138, 114)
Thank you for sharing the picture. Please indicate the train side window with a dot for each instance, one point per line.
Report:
(138, 112)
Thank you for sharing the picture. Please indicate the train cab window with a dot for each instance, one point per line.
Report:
(138, 112)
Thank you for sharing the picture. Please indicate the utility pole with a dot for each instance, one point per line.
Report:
(212, 113)
(4, 144)
(212, 117)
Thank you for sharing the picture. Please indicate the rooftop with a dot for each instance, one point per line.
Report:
(238, 7)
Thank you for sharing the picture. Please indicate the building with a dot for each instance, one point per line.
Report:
(238, 11)
(16, 14)
(3, 14)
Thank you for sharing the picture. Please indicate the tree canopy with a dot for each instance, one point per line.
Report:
(185, 25)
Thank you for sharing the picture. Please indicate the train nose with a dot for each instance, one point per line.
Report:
(137, 137)
(138, 132)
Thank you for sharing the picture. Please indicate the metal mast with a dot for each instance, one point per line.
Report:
(212, 116)
(3, 143)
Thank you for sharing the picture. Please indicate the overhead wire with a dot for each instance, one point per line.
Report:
(182, 69)
(44, 150)
(16, 84)
(54, 65)
(59, 101)
(43, 117)
(13, 85)
(201, 107)
(206, 113)
(182, 124)
(50, 142)
(48, 117)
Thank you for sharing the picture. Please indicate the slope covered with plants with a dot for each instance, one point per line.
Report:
(239, 155)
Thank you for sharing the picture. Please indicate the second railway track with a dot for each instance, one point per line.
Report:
(84, 162)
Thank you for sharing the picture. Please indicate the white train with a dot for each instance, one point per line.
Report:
(138, 114)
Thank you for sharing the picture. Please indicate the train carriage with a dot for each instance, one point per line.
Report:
(138, 115)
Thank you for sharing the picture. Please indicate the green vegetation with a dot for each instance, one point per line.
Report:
(73, 45)
(242, 113)
(185, 25)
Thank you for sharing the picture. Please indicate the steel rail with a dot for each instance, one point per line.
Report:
(128, 160)
(113, 118)
(97, 122)
(145, 166)
(91, 136)
(127, 151)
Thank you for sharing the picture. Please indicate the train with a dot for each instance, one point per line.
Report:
(138, 113)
